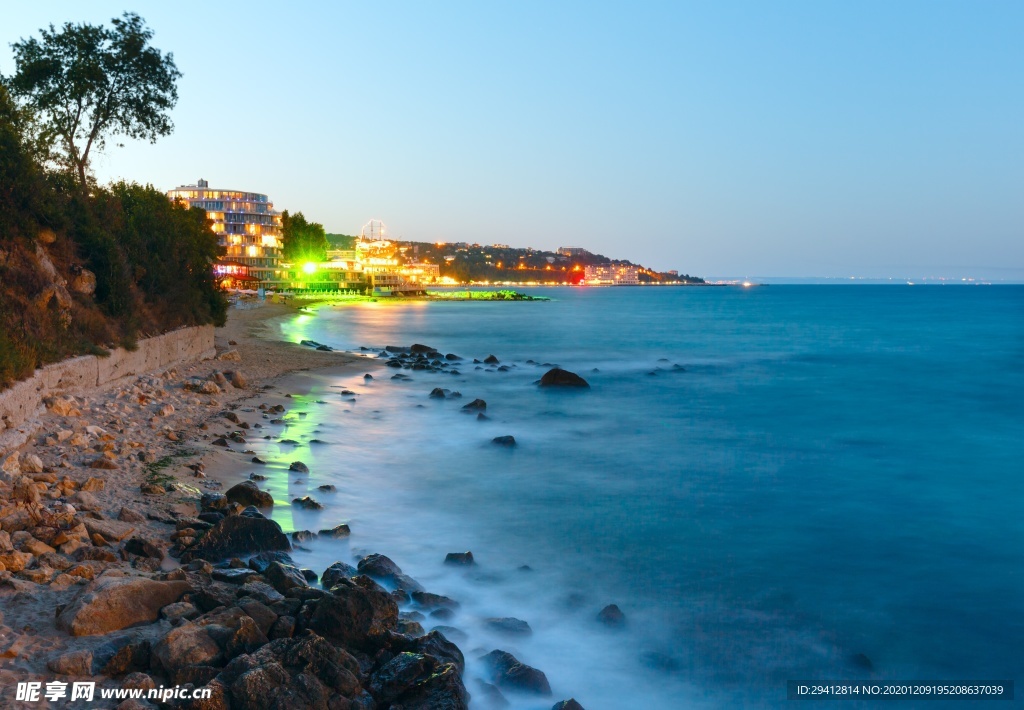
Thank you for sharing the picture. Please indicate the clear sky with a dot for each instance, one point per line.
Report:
(815, 138)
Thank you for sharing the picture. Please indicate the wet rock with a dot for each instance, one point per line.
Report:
(300, 536)
(612, 616)
(233, 575)
(491, 360)
(238, 534)
(569, 704)
(308, 503)
(434, 601)
(408, 627)
(437, 393)
(284, 577)
(400, 673)
(477, 405)
(248, 493)
(179, 610)
(461, 559)
(381, 567)
(508, 440)
(144, 547)
(111, 603)
(488, 696)
(298, 466)
(510, 673)
(335, 572)
(508, 626)
(338, 531)
(357, 612)
(557, 377)
(123, 656)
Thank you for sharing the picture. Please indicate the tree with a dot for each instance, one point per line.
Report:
(88, 83)
(302, 240)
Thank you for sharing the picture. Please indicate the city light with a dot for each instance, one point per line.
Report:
(309, 267)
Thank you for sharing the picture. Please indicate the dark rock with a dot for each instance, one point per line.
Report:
(262, 561)
(234, 576)
(303, 536)
(477, 405)
(238, 534)
(463, 559)
(213, 502)
(491, 360)
(356, 613)
(434, 601)
(284, 577)
(327, 488)
(442, 614)
(298, 466)
(450, 632)
(508, 626)
(399, 674)
(335, 572)
(257, 459)
(611, 615)
(452, 356)
(248, 493)
(257, 477)
(307, 502)
(441, 690)
(507, 440)
(144, 548)
(557, 377)
(367, 376)
(510, 673)
(569, 704)
(437, 393)
(489, 696)
(481, 417)
(117, 658)
(337, 531)
(283, 628)
(400, 596)
(417, 348)
(309, 575)
(260, 613)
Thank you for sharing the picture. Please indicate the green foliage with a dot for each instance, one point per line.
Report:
(89, 82)
(302, 240)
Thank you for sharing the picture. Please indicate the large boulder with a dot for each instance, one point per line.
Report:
(382, 568)
(557, 377)
(209, 640)
(111, 603)
(238, 535)
(357, 612)
(338, 570)
(248, 493)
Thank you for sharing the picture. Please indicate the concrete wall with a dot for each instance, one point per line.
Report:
(21, 402)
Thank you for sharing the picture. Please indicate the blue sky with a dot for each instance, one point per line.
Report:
(728, 138)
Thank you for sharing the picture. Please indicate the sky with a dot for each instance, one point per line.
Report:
(817, 138)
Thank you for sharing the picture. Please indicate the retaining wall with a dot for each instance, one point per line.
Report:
(21, 402)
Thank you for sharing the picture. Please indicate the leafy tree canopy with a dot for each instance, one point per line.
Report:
(89, 82)
(302, 240)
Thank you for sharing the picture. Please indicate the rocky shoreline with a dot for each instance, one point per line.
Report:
(121, 562)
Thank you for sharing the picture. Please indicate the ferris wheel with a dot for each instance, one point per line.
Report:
(374, 231)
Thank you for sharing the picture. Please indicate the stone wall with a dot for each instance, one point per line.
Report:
(20, 403)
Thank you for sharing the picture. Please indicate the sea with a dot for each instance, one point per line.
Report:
(773, 483)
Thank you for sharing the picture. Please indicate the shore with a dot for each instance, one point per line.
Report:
(114, 514)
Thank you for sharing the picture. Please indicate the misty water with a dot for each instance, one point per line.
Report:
(767, 481)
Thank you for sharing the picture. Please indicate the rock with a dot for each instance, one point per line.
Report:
(489, 696)
(357, 612)
(507, 440)
(509, 626)
(231, 355)
(407, 627)
(25, 491)
(144, 547)
(103, 463)
(462, 559)
(335, 572)
(186, 645)
(308, 503)
(152, 489)
(248, 493)
(299, 466)
(73, 663)
(284, 577)
(111, 530)
(262, 561)
(30, 463)
(557, 377)
(611, 615)
(263, 615)
(491, 360)
(284, 627)
(233, 575)
(64, 406)
(238, 534)
(122, 656)
(434, 601)
(861, 662)
(300, 536)
(111, 603)
(399, 674)
(93, 484)
(127, 515)
(11, 466)
(238, 380)
(138, 681)
(381, 567)
(477, 405)
(510, 673)
(569, 704)
(437, 393)
(179, 610)
(338, 531)
(84, 282)
(436, 644)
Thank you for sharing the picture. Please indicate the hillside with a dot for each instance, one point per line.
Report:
(82, 273)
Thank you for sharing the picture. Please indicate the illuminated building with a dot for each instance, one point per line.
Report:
(611, 275)
(247, 226)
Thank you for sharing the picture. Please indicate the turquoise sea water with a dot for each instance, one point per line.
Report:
(835, 470)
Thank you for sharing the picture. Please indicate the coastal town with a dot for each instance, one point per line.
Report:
(252, 234)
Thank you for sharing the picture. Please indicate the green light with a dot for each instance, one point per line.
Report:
(309, 267)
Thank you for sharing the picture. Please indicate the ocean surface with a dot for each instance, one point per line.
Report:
(767, 481)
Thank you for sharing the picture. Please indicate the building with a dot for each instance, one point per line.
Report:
(421, 273)
(246, 224)
(611, 275)
(572, 251)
